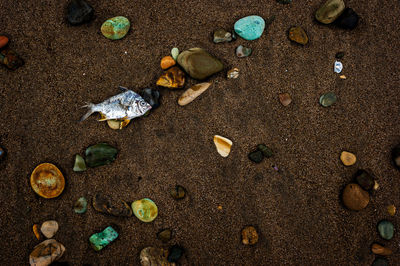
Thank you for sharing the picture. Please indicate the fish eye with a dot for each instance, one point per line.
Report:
(143, 103)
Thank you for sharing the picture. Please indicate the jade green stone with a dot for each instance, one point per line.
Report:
(386, 229)
(80, 164)
(115, 28)
(145, 210)
(267, 152)
(102, 239)
(100, 154)
(80, 205)
(250, 27)
(175, 53)
(327, 99)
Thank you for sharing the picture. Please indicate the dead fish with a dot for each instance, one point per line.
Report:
(124, 106)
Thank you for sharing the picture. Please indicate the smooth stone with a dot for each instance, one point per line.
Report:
(256, 156)
(380, 262)
(327, 99)
(267, 152)
(47, 181)
(391, 209)
(223, 145)
(80, 164)
(145, 210)
(112, 206)
(199, 64)
(175, 53)
(233, 73)
(249, 235)
(151, 256)
(115, 28)
(339, 55)
(242, 51)
(79, 12)
(49, 228)
(222, 35)
(337, 67)
(167, 62)
(3, 41)
(100, 154)
(190, 94)
(178, 192)
(365, 179)
(36, 231)
(298, 35)
(348, 158)
(285, 99)
(172, 78)
(114, 124)
(175, 253)
(152, 97)
(80, 205)
(380, 250)
(396, 156)
(2, 154)
(164, 235)
(10, 59)
(348, 19)
(104, 238)
(386, 229)
(46, 253)
(330, 11)
(250, 27)
(354, 197)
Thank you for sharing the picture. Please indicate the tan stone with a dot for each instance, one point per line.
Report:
(354, 197)
(190, 94)
(46, 252)
(381, 250)
(348, 158)
(223, 145)
(249, 235)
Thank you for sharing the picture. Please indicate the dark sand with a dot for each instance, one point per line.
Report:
(298, 212)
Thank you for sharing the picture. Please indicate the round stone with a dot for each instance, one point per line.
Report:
(164, 235)
(47, 181)
(174, 253)
(80, 205)
(298, 35)
(49, 228)
(145, 210)
(256, 156)
(327, 99)
(364, 179)
(354, 197)
(249, 235)
(79, 12)
(3, 41)
(348, 19)
(348, 158)
(386, 229)
(242, 51)
(178, 192)
(250, 27)
(285, 99)
(115, 28)
(330, 11)
(175, 53)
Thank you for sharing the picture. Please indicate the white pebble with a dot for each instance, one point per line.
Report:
(338, 67)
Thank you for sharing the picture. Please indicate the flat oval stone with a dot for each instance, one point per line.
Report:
(111, 205)
(348, 19)
(380, 250)
(80, 205)
(3, 41)
(172, 78)
(100, 154)
(190, 94)
(175, 53)
(348, 158)
(145, 210)
(242, 51)
(49, 228)
(250, 27)
(174, 253)
(115, 28)
(47, 181)
(151, 256)
(327, 99)
(285, 99)
(249, 235)
(199, 64)
(386, 229)
(178, 192)
(164, 235)
(11, 59)
(391, 209)
(298, 35)
(221, 35)
(79, 12)
(46, 252)
(354, 197)
(104, 238)
(256, 156)
(365, 179)
(80, 164)
(330, 11)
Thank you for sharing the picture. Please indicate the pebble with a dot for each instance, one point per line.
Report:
(285, 99)
(80, 164)
(151, 256)
(178, 192)
(267, 152)
(222, 35)
(249, 235)
(104, 238)
(172, 78)
(79, 12)
(115, 124)
(233, 73)
(10, 59)
(380, 262)
(167, 62)
(223, 145)
(49, 228)
(175, 253)
(330, 11)
(298, 35)
(365, 179)
(2, 154)
(337, 67)
(46, 253)
(115, 28)
(36, 231)
(339, 55)
(80, 205)
(354, 197)
(376, 185)
(342, 77)
(145, 210)
(152, 97)
(396, 156)
(348, 158)
(190, 94)
(47, 181)
(3, 41)
(386, 229)
(256, 156)
(391, 209)
(100, 154)
(250, 27)
(242, 51)
(112, 206)
(327, 99)
(175, 53)
(199, 64)
(164, 235)
(348, 19)
(380, 250)
(284, 1)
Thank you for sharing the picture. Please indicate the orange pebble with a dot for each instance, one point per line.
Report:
(3, 41)
(167, 62)
(36, 231)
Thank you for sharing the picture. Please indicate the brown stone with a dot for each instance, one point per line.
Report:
(3, 41)
(348, 158)
(36, 231)
(381, 250)
(190, 94)
(285, 99)
(49, 228)
(298, 35)
(172, 78)
(108, 205)
(391, 210)
(46, 252)
(167, 62)
(249, 235)
(354, 197)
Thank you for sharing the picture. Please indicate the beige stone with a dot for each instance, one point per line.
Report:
(223, 145)
(190, 94)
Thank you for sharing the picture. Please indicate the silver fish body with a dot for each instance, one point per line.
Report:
(126, 105)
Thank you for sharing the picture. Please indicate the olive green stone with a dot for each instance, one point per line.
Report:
(102, 239)
(164, 235)
(386, 229)
(145, 210)
(80, 205)
(256, 156)
(267, 152)
(330, 11)
(115, 28)
(327, 99)
(100, 154)
(178, 192)
(80, 164)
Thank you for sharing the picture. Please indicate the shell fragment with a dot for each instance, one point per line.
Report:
(223, 145)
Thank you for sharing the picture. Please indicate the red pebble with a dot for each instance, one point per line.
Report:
(3, 41)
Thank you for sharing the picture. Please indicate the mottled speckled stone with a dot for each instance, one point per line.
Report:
(386, 229)
(102, 239)
(115, 28)
(250, 27)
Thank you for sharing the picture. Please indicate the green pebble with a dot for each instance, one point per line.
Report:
(102, 239)
(80, 205)
(80, 164)
(145, 210)
(386, 229)
(100, 154)
(267, 152)
(115, 28)
(175, 53)
(327, 99)
(256, 156)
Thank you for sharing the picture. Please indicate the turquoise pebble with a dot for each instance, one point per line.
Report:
(386, 229)
(250, 27)
(175, 53)
(102, 239)
(115, 28)
(80, 205)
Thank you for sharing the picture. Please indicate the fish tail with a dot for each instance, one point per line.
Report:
(89, 112)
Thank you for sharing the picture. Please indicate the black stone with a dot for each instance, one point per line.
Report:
(339, 55)
(164, 235)
(364, 179)
(178, 192)
(267, 152)
(79, 12)
(284, 1)
(380, 262)
(348, 19)
(151, 96)
(175, 252)
(396, 156)
(256, 156)
(2, 154)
